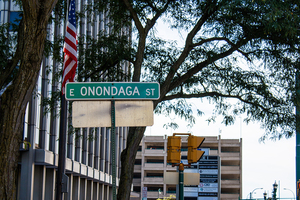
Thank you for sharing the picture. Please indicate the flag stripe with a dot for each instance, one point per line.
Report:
(70, 48)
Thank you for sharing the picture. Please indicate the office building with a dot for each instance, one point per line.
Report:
(88, 163)
(151, 164)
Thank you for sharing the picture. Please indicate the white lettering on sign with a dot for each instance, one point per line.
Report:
(148, 93)
(71, 92)
(136, 91)
(110, 91)
(83, 91)
(98, 91)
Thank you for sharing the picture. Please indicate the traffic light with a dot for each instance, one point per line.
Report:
(174, 149)
(194, 143)
(298, 188)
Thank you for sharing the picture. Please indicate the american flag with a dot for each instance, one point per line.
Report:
(70, 48)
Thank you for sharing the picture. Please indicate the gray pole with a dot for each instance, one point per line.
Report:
(113, 148)
(297, 128)
(62, 149)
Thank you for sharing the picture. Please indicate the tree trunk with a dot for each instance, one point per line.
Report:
(134, 138)
(31, 39)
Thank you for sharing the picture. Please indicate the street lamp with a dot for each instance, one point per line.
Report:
(265, 195)
(253, 191)
(275, 185)
(291, 191)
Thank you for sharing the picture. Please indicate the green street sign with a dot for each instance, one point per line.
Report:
(112, 90)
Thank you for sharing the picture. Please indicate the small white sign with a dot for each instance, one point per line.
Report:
(144, 193)
(190, 189)
(190, 194)
(201, 185)
(190, 170)
(208, 189)
(208, 171)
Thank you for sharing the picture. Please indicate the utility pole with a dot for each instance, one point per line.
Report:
(297, 128)
(181, 178)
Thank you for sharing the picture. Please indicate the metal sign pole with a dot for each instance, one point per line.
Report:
(113, 148)
(181, 178)
(297, 129)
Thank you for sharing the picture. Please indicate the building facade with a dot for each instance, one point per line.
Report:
(88, 150)
(151, 164)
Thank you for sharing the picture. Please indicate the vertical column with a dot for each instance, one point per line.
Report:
(219, 145)
(78, 144)
(39, 182)
(97, 149)
(83, 183)
(89, 189)
(76, 188)
(91, 142)
(27, 157)
(241, 168)
(102, 149)
(69, 195)
(165, 139)
(50, 182)
(84, 146)
(54, 123)
(101, 191)
(43, 117)
(107, 168)
(120, 150)
(96, 190)
(70, 137)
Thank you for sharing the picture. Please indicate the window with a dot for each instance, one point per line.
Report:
(14, 19)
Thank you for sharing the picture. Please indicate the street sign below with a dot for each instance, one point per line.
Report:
(112, 90)
(98, 113)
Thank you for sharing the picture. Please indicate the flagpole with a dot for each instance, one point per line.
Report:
(62, 178)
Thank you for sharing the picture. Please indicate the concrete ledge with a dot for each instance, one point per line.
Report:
(83, 169)
(76, 167)
(69, 164)
(90, 172)
(44, 157)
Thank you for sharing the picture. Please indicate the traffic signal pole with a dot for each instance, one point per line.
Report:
(181, 179)
(297, 131)
(174, 155)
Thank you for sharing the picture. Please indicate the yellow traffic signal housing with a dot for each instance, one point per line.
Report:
(194, 143)
(174, 149)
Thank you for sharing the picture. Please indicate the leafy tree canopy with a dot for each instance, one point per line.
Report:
(220, 36)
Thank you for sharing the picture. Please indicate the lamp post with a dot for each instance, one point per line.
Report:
(265, 195)
(253, 191)
(275, 185)
(291, 191)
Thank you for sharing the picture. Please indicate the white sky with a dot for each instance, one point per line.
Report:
(263, 163)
